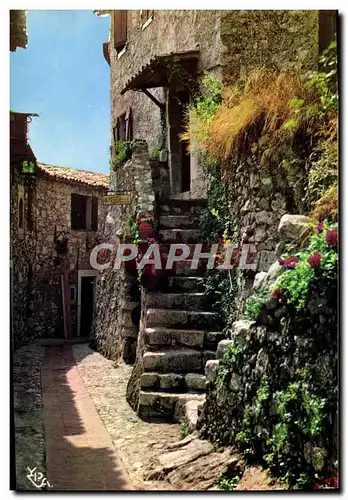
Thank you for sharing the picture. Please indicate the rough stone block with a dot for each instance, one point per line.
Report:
(240, 330)
(170, 381)
(222, 346)
(211, 369)
(195, 381)
(148, 380)
(292, 227)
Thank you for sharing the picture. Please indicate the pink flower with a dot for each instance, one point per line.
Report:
(314, 260)
(331, 237)
(289, 263)
(320, 227)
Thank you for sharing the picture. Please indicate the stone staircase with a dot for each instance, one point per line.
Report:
(179, 329)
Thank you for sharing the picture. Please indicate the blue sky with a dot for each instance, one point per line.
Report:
(63, 76)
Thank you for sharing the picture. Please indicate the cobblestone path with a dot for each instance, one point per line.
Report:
(28, 414)
(79, 452)
(136, 441)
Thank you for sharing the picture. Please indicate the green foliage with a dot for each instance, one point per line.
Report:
(320, 98)
(232, 359)
(134, 230)
(201, 112)
(28, 167)
(184, 429)
(228, 483)
(297, 282)
(253, 414)
(221, 288)
(215, 222)
(123, 152)
(323, 171)
(155, 154)
(211, 97)
(300, 416)
(255, 304)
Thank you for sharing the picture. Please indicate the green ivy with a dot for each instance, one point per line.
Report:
(256, 303)
(297, 282)
(228, 483)
(123, 153)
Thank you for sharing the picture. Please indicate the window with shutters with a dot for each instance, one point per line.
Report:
(120, 29)
(94, 215)
(78, 211)
(124, 127)
(84, 212)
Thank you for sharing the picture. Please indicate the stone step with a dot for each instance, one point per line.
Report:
(184, 207)
(176, 235)
(190, 301)
(164, 406)
(178, 221)
(184, 268)
(171, 337)
(165, 248)
(173, 382)
(172, 318)
(185, 283)
(174, 361)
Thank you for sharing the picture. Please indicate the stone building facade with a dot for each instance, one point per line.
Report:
(157, 61)
(56, 217)
(154, 77)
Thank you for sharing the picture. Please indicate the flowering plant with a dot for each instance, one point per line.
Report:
(319, 258)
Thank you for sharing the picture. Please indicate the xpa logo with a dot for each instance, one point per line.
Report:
(37, 478)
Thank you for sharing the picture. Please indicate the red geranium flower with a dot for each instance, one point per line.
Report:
(329, 482)
(331, 237)
(281, 261)
(291, 262)
(314, 260)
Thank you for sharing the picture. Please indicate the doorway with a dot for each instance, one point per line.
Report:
(85, 306)
(179, 155)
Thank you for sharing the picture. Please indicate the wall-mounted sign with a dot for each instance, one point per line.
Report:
(117, 199)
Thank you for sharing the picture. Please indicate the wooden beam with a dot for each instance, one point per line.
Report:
(153, 99)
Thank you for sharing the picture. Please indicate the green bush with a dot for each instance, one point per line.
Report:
(123, 153)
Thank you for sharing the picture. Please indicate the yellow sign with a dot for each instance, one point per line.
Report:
(117, 199)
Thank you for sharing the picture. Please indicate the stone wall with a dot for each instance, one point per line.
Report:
(20, 248)
(277, 39)
(117, 314)
(36, 272)
(261, 192)
(284, 348)
(184, 31)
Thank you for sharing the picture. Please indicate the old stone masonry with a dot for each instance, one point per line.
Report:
(174, 321)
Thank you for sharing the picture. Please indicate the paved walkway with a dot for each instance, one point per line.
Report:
(79, 452)
(137, 442)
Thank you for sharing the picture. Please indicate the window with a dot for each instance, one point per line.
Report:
(120, 29)
(124, 127)
(84, 212)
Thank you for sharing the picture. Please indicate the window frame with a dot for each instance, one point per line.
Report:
(120, 30)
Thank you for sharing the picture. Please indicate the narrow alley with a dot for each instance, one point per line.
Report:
(174, 250)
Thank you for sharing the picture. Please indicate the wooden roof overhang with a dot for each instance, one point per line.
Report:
(161, 70)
